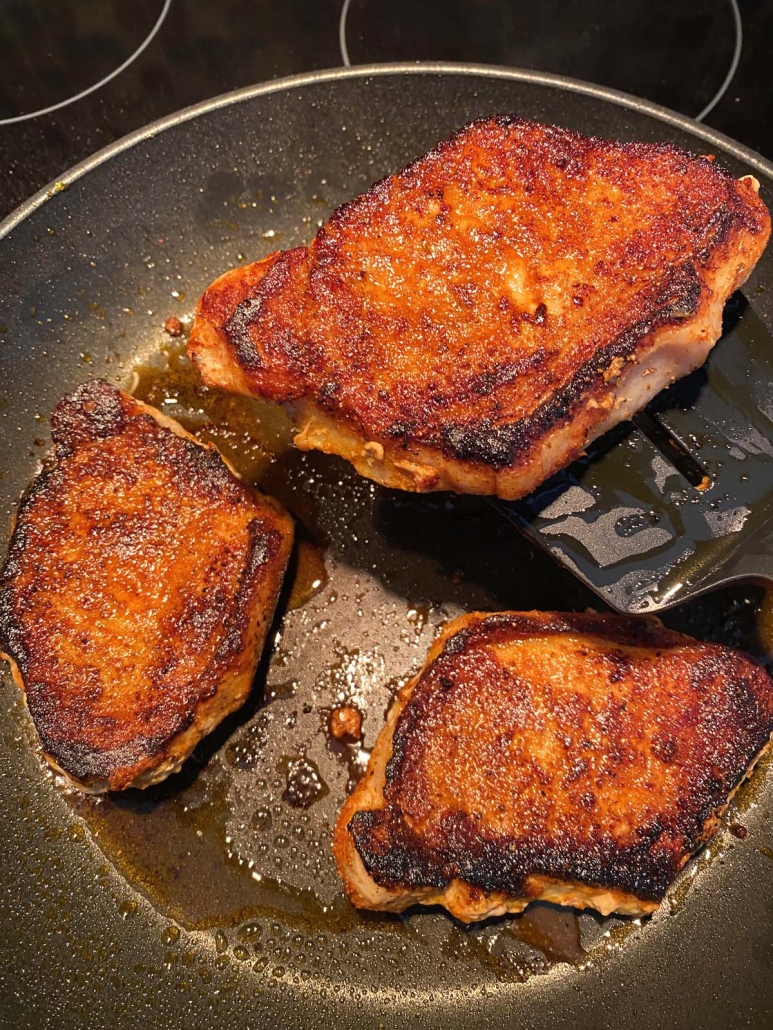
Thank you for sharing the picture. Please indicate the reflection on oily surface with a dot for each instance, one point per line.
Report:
(677, 503)
(250, 435)
(238, 844)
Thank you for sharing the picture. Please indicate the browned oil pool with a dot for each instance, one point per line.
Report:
(237, 845)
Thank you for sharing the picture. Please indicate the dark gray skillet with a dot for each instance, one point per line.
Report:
(143, 911)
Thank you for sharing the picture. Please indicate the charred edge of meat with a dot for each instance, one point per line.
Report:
(396, 857)
(97, 411)
(500, 446)
(281, 269)
(558, 146)
(633, 631)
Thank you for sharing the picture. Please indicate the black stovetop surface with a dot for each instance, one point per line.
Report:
(676, 52)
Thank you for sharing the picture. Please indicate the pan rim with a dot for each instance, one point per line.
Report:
(365, 71)
(29, 208)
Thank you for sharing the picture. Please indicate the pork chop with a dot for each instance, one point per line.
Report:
(576, 759)
(136, 596)
(474, 321)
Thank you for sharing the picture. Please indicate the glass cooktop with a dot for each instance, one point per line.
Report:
(78, 74)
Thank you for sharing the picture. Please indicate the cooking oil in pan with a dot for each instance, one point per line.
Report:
(249, 434)
(238, 844)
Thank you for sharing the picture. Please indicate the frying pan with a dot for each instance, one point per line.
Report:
(212, 900)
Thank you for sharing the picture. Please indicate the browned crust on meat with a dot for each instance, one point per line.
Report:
(401, 341)
(137, 592)
(576, 758)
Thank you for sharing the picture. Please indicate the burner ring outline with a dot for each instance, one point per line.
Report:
(733, 68)
(102, 82)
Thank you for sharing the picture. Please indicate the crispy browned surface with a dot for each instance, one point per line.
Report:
(540, 749)
(137, 592)
(463, 313)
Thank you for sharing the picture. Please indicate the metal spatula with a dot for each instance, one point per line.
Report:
(680, 500)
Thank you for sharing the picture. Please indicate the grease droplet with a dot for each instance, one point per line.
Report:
(304, 783)
(311, 574)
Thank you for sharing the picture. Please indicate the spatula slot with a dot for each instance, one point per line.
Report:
(672, 449)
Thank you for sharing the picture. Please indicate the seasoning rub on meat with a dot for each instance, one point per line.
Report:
(474, 321)
(138, 590)
(577, 759)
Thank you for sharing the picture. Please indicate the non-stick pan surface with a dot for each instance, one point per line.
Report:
(212, 901)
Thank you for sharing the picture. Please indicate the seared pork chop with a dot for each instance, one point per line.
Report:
(474, 321)
(577, 759)
(139, 586)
